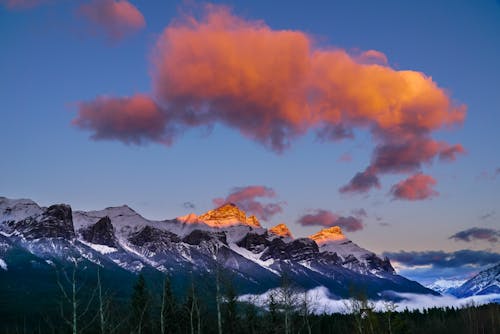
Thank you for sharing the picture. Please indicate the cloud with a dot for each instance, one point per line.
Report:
(274, 86)
(361, 182)
(116, 18)
(414, 188)
(477, 233)
(487, 215)
(132, 120)
(441, 259)
(320, 217)
(324, 303)
(22, 4)
(346, 157)
(359, 212)
(246, 199)
(189, 205)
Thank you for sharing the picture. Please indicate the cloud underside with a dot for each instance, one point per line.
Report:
(320, 217)
(441, 259)
(477, 233)
(274, 86)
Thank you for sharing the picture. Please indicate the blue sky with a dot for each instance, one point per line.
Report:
(53, 58)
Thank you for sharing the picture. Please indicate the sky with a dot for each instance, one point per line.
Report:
(380, 117)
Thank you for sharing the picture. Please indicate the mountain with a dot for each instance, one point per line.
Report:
(119, 240)
(485, 282)
(445, 286)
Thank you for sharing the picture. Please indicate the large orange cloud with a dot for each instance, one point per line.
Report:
(275, 85)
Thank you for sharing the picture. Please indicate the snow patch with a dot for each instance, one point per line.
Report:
(3, 264)
(103, 249)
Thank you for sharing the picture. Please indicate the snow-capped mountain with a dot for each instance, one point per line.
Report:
(485, 282)
(445, 286)
(118, 237)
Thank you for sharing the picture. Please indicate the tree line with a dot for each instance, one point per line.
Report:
(211, 305)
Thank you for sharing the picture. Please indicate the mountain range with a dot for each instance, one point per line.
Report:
(119, 239)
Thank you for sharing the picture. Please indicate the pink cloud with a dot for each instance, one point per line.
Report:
(132, 120)
(327, 218)
(246, 199)
(416, 187)
(22, 4)
(116, 18)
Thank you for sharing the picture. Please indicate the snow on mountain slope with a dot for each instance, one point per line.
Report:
(17, 209)
(444, 286)
(333, 240)
(485, 282)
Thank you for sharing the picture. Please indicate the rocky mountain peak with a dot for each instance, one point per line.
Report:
(101, 233)
(228, 215)
(329, 234)
(281, 230)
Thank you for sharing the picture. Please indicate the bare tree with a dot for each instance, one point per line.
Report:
(287, 300)
(106, 324)
(306, 309)
(389, 307)
(71, 298)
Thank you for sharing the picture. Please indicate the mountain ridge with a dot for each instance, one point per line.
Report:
(258, 257)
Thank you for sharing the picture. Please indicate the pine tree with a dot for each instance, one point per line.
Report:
(140, 321)
(230, 310)
(168, 309)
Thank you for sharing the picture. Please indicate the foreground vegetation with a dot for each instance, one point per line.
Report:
(211, 306)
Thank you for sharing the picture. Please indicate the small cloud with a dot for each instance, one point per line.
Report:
(189, 205)
(346, 157)
(359, 212)
(116, 18)
(487, 215)
(361, 183)
(246, 199)
(414, 188)
(21, 4)
(477, 233)
(488, 175)
(320, 217)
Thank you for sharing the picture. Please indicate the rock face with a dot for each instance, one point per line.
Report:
(228, 215)
(54, 222)
(154, 239)
(100, 233)
(198, 236)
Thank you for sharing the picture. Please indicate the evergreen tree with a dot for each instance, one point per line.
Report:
(168, 309)
(230, 310)
(140, 320)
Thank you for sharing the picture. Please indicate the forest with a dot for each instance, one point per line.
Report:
(210, 304)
